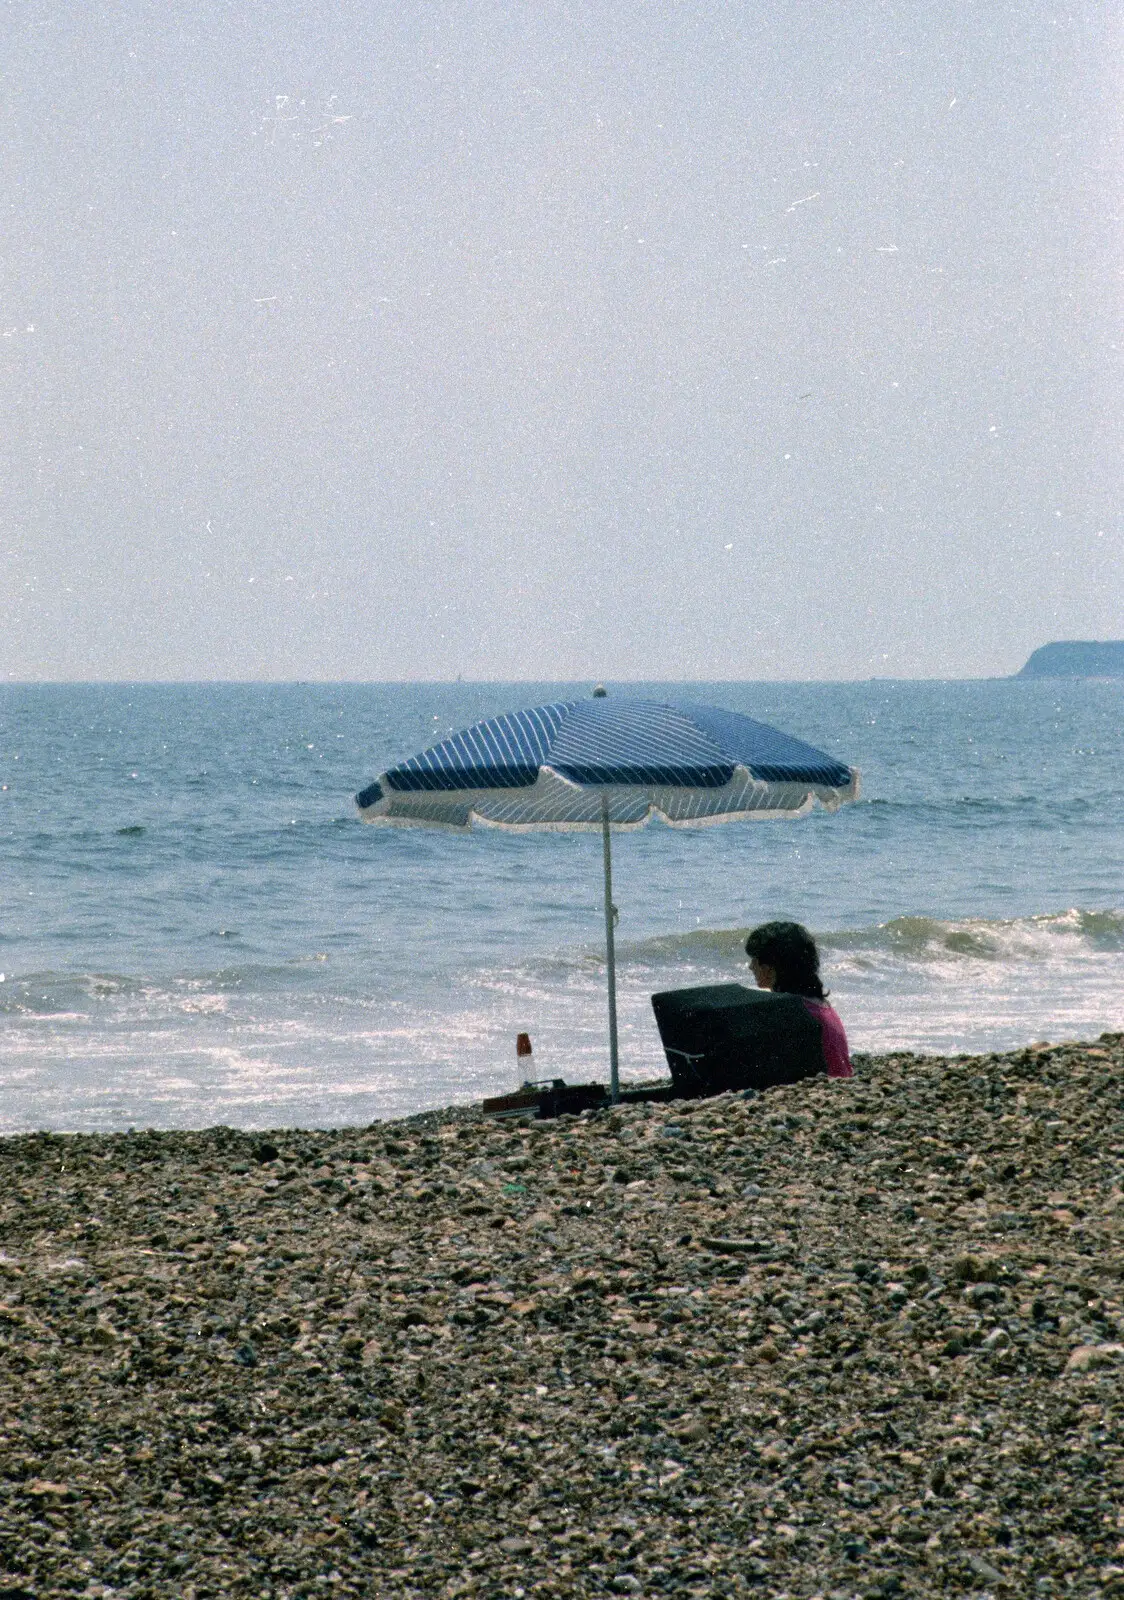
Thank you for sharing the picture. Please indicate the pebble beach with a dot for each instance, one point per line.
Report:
(843, 1339)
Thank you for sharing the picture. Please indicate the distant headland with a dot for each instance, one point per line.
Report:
(1076, 658)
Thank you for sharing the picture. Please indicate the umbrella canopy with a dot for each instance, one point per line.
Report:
(553, 766)
(602, 764)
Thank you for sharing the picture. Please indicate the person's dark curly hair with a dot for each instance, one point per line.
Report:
(791, 951)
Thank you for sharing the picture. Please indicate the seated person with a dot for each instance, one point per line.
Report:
(783, 957)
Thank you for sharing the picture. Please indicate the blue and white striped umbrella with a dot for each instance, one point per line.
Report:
(555, 766)
(609, 763)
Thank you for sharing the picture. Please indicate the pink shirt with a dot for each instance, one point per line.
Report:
(835, 1052)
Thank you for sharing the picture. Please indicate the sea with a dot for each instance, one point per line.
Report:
(196, 928)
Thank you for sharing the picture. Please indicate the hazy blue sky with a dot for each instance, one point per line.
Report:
(614, 339)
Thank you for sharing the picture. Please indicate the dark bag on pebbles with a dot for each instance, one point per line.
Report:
(726, 1037)
(548, 1098)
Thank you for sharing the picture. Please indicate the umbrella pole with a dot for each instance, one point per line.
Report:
(610, 953)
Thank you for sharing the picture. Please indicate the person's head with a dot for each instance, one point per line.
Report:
(784, 958)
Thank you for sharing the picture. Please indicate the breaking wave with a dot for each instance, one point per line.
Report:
(1051, 935)
(91, 995)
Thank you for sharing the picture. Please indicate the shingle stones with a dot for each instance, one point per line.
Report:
(844, 1339)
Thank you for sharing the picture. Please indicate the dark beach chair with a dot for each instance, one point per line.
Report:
(726, 1037)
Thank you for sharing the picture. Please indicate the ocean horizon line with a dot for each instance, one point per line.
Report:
(487, 683)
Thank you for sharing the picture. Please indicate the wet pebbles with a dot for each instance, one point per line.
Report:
(842, 1340)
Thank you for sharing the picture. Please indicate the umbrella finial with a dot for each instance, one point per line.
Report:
(600, 692)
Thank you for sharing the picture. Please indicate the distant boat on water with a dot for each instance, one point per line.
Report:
(1076, 658)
